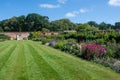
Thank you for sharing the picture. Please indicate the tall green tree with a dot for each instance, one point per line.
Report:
(117, 25)
(92, 23)
(105, 26)
(36, 22)
(62, 24)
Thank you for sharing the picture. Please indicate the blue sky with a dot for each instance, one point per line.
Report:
(78, 11)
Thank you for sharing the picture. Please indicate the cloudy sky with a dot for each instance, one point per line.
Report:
(78, 11)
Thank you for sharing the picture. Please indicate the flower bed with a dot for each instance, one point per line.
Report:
(91, 51)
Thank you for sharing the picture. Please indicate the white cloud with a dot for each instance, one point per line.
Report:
(75, 13)
(83, 10)
(69, 14)
(49, 6)
(62, 1)
(72, 14)
(114, 2)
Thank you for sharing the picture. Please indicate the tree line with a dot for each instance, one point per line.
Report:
(37, 22)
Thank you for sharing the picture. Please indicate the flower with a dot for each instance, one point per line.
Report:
(92, 50)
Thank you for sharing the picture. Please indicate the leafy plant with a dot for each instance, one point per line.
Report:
(116, 66)
(91, 51)
(59, 45)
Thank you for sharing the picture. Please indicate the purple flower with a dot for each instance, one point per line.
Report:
(53, 42)
(92, 50)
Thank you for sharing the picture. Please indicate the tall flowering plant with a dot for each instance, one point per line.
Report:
(91, 51)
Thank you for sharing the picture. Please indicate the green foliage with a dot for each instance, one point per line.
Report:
(1, 30)
(85, 27)
(44, 40)
(45, 30)
(60, 45)
(93, 23)
(103, 61)
(116, 66)
(71, 41)
(31, 22)
(117, 25)
(100, 41)
(112, 49)
(62, 25)
(35, 22)
(117, 52)
(105, 26)
(35, 35)
(4, 37)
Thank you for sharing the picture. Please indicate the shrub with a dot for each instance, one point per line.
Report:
(53, 42)
(91, 51)
(100, 41)
(44, 41)
(71, 41)
(76, 50)
(111, 50)
(117, 53)
(4, 37)
(116, 66)
(35, 35)
(104, 61)
(60, 45)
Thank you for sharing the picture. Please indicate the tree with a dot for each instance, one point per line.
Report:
(45, 30)
(36, 22)
(85, 27)
(62, 24)
(1, 30)
(22, 23)
(117, 25)
(105, 26)
(92, 23)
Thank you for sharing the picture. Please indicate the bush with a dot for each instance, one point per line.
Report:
(72, 49)
(76, 50)
(60, 45)
(71, 41)
(100, 41)
(111, 50)
(104, 61)
(91, 51)
(4, 37)
(53, 42)
(116, 66)
(117, 53)
(44, 41)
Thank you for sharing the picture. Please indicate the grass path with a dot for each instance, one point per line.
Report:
(27, 60)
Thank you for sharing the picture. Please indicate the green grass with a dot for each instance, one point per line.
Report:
(27, 60)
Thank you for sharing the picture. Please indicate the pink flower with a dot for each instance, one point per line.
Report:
(92, 50)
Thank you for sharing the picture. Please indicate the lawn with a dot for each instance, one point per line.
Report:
(28, 60)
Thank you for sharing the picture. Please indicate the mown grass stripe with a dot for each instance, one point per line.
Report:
(7, 53)
(5, 73)
(33, 70)
(26, 66)
(46, 69)
(14, 68)
(4, 44)
(2, 48)
(20, 65)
